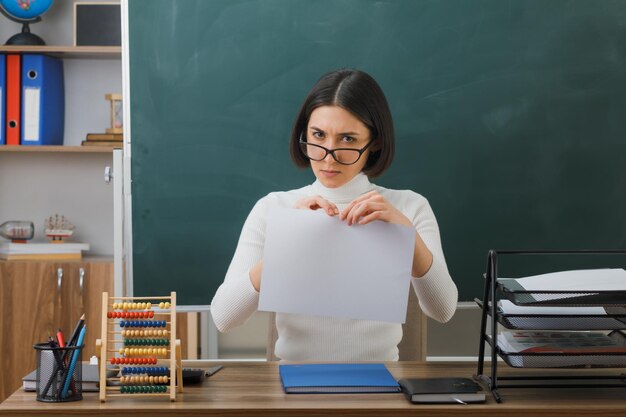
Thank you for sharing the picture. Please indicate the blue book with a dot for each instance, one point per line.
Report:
(337, 378)
(43, 100)
(3, 104)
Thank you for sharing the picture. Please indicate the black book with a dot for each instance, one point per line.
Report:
(442, 390)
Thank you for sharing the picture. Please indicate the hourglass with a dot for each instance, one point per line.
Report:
(117, 121)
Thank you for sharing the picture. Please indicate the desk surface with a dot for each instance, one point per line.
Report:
(255, 389)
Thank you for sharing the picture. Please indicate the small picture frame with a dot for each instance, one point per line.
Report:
(97, 23)
(117, 113)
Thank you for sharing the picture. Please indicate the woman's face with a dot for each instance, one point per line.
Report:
(333, 127)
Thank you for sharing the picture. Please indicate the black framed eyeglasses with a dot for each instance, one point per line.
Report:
(345, 156)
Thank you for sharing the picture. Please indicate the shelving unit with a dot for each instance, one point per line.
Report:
(88, 77)
(497, 289)
(38, 181)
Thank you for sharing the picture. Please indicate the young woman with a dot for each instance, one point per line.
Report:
(344, 133)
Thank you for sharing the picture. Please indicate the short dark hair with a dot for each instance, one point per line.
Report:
(358, 93)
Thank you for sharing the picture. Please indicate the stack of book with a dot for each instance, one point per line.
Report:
(104, 139)
(42, 251)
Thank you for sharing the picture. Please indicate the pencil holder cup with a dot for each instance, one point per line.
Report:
(59, 373)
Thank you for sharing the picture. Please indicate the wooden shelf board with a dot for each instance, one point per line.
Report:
(57, 149)
(86, 258)
(66, 51)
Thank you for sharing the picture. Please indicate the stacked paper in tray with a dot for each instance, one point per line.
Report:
(562, 349)
(42, 251)
(579, 347)
(561, 342)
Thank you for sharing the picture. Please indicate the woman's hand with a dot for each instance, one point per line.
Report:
(373, 206)
(316, 203)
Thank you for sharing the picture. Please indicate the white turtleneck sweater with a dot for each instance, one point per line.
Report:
(310, 338)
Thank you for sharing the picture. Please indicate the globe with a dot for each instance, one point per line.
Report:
(25, 12)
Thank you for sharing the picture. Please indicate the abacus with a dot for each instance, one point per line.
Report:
(140, 344)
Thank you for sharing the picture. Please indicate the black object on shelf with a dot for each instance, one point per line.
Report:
(500, 288)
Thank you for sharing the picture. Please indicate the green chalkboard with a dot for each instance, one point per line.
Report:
(510, 119)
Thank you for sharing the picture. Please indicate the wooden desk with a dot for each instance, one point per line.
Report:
(255, 389)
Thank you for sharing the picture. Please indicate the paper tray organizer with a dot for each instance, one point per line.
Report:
(613, 301)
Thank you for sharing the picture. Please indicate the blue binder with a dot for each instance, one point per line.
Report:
(337, 378)
(43, 100)
(3, 103)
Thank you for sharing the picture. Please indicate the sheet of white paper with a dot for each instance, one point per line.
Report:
(314, 264)
(578, 280)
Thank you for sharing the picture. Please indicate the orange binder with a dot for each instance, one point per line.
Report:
(14, 88)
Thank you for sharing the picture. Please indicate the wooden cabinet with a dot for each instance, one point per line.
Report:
(39, 297)
(30, 311)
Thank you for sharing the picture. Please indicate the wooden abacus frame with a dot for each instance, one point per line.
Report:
(105, 347)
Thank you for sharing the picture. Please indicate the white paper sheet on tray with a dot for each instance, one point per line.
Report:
(582, 282)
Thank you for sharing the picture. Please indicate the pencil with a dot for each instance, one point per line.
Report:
(75, 334)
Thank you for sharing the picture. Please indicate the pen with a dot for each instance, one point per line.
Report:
(61, 342)
(60, 339)
(58, 365)
(75, 354)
